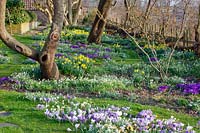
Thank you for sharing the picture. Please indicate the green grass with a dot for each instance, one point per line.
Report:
(15, 63)
(8, 69)
(26, 39)
(30, 120)
(26, 116)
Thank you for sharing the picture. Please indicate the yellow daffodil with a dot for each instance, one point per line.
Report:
(84, 66)
(143, 72)
(129, 128)
(136, 70)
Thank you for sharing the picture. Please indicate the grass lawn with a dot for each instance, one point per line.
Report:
(28, 119)
(16, 59)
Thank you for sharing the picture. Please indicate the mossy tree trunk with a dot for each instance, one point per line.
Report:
(45, 57)
(100, 21)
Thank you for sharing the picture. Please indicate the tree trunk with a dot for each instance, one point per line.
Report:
(100, 21)
(197, 35)
(46, 56)
(65, 21)
(47, 64)
(70, 13)
(127, 6)
(76, 13)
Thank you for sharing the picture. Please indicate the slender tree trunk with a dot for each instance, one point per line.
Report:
(46, 56)
(70, 13)
(100, 21)
(127, 6)
(65, 21)
(76, 13)
(197, 35)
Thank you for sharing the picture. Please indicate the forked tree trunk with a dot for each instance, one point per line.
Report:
(100, 21)
(46, 56)
(46, 59)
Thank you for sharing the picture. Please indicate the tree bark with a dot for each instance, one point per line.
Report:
(76, 13)
(47, 64)
(127, 6)
(70, 13)
(100, 21)
(46, 57)
(197, 35)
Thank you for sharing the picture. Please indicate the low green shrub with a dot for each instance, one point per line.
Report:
(96, 84)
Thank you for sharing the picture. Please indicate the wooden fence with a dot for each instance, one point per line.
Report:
(170, 31)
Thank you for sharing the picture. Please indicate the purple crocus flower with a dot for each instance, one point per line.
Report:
(180, 86)
(198, 123)
(4, 79)
(80, 44)
(58, 55)
(163, 88)
(40, 107)
(193, 88)
(108, 49)
(106, 57)
(67, 41)
(92, 56)
(153, 59)
(74, 46)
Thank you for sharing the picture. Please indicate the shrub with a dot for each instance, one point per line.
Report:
(15, 12)
(33, 16)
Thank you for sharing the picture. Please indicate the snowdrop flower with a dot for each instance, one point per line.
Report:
(119, 113)
(69, 130)
(77, 125)
(40, 107)
(188, 128)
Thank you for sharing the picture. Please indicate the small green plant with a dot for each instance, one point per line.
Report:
(75, 66)
(4, 59)
(182, 102)
(195, 105)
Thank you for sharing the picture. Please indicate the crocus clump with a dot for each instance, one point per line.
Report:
(163, 88)
(4, 80)
(59, 55)
(89, 118)
(193, 88)
(153, 59)
(79, 45)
